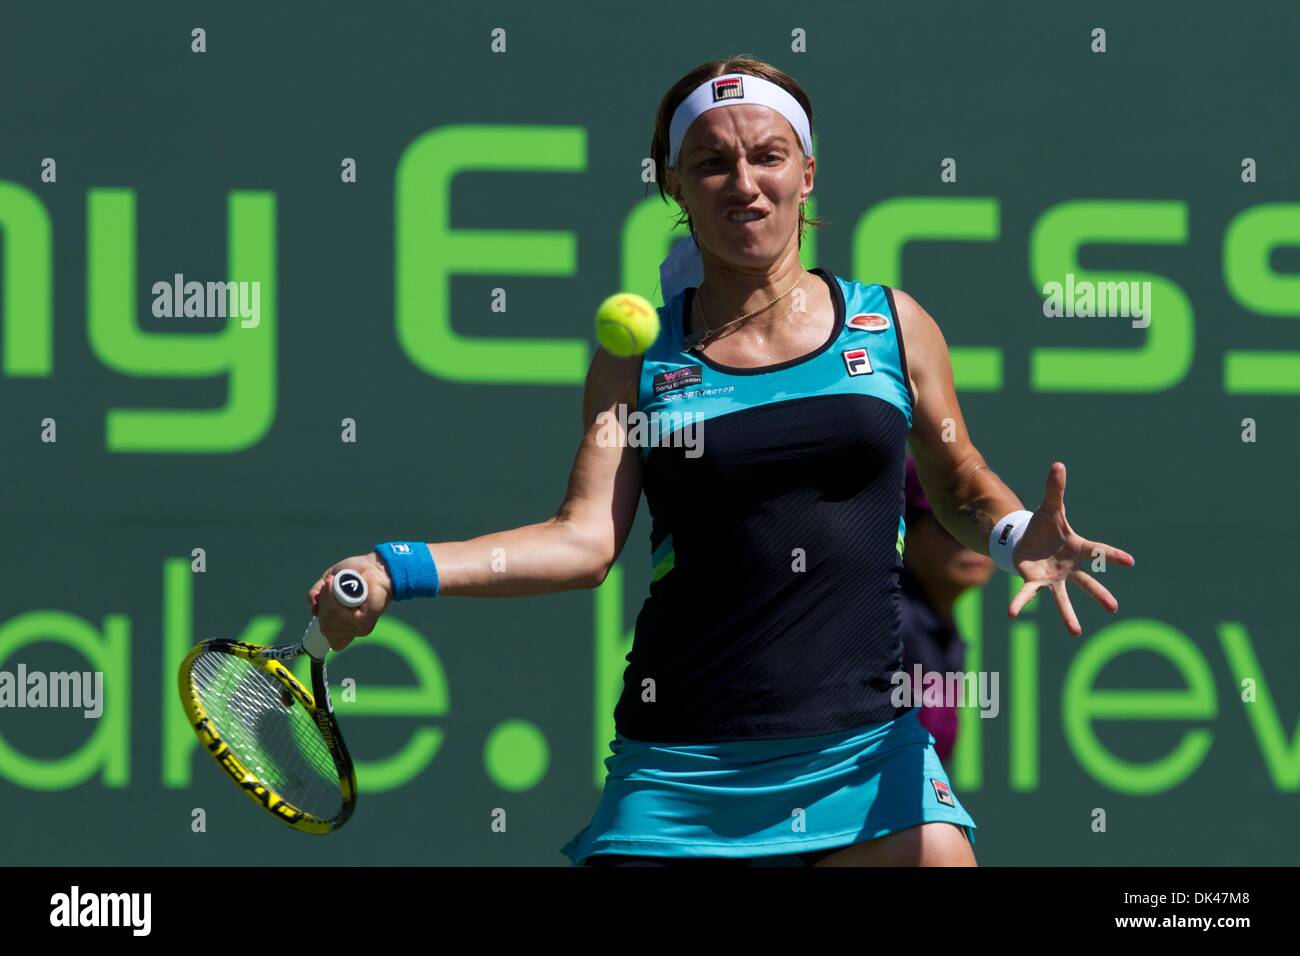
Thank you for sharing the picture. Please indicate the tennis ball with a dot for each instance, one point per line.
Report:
(626, 324)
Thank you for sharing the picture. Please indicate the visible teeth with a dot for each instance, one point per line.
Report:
(743, 216)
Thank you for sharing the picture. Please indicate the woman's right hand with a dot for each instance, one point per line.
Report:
(342, 625)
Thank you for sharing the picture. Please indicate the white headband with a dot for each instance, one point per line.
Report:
(736, 89)
(683, 267)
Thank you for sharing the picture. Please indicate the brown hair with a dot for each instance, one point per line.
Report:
(741, 63)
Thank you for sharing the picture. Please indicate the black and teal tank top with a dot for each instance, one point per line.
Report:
(776, 498)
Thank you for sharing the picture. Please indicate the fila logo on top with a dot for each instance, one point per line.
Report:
(857, 362)
(869, 322)
(941, 792)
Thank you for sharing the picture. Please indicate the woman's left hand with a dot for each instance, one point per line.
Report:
(1050, 552)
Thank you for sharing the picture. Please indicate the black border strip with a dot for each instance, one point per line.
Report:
(902, 351)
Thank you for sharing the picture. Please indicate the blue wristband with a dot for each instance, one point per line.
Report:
(410, 567)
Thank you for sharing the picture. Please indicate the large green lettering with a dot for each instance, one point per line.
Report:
(109, 748)
(1165, 357)
(648, 236)
(1024, 711)
(26, 284)
(887, 227)
(430, 696)
(967, 757)
(247, 355)
(429, 253)
(1081, 704)
(1280, 756)
(1247, 244)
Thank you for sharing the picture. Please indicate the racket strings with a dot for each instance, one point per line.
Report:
(268, 730)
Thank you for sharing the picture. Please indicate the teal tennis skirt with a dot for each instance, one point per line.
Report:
(764, 798)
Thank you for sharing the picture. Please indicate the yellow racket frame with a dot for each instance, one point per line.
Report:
(257, 789)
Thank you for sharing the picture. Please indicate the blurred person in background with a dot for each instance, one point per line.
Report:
(937, 570)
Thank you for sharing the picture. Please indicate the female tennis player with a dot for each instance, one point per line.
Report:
(756, 724)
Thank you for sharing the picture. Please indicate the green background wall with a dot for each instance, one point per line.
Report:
(521, 170)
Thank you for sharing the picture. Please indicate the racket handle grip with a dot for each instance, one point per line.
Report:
(314, 642)
(349, 589)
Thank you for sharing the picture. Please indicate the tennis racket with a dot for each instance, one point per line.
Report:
(278, 741)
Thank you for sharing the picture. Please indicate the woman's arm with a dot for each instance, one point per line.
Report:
(574, 548)
(968, 497)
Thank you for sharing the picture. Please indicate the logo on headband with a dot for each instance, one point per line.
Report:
(728, 89)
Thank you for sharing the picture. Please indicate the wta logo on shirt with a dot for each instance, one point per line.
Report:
(857, 362)
(678, 378)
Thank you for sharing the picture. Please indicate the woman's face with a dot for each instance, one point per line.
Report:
(738, 158)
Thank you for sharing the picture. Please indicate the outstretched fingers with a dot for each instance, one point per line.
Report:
(1098, 590)
(1023, 597)
(1054, 492)
(1027, 592)
(1066, 608)
(1115, 555)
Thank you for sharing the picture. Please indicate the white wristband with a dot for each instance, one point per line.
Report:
(1004, 537)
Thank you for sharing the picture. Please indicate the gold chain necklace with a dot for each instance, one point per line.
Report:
(695, 341)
